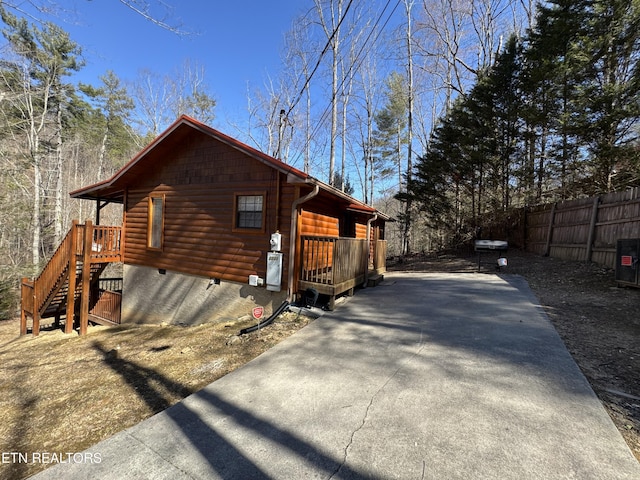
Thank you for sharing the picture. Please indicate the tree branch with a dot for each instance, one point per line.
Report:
(143, 8)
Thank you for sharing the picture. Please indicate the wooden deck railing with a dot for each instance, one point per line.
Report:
(333, 265)
(380, 257)
(27, 296)
(332, 261)
(106, 244)
(112, 284)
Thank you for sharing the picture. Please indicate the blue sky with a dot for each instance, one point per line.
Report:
(237, 42)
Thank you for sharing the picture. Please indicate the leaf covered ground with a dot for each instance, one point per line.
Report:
(63, 393)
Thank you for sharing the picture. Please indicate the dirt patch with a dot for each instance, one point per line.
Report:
(63, 393)
(598, 322)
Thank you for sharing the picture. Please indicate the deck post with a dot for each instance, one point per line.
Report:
(23, 314)
(376, 250)
(73, 266)
(86, 277)
(35, 331)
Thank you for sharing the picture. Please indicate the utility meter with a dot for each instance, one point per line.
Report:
(276, 242)
(274, 271)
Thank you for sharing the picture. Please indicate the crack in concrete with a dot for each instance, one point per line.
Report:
(366, 412)
(353, 434)
(160, 456)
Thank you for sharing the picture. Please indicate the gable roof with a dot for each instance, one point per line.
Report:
(112, 189)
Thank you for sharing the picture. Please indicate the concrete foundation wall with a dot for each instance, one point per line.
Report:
(150, 296)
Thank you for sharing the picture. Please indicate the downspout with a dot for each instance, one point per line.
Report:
(294, 236)
(366, 268)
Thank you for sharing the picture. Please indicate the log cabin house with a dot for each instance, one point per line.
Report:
(210, 228)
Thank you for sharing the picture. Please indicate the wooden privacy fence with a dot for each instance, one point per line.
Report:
(107, 309)
(584, 230)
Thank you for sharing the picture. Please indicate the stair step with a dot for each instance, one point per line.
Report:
(375, 280)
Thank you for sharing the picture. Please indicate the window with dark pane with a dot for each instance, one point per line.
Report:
(155, 222)
(249, 211)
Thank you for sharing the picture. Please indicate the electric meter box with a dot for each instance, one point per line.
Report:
(274, 271)
(627, 266)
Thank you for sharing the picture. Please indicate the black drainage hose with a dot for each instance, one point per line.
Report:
(260, 325)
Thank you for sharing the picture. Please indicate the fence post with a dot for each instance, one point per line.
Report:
(592, 228)
(524, 228)
(547, 248)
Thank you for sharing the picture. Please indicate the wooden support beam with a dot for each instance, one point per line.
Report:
(73, 266)
(35, 331)
(86, 277)
(36, 324)
(23, 314)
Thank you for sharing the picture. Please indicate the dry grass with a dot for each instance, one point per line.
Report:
(64, 393)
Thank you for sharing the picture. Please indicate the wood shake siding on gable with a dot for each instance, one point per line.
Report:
(200, 183)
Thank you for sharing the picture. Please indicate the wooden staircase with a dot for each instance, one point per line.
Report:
(66, 283)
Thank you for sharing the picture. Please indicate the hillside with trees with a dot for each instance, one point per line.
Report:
(438, 112)
(555, 117)
(57, 135)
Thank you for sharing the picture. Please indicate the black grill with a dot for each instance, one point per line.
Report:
(492, 246)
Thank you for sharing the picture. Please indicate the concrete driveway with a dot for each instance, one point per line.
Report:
(437, 376)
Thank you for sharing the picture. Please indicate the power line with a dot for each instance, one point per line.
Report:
(359, 59)
(326, 48)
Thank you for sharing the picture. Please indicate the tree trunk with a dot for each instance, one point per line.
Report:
(57, 214)
(334, 101)
(406, 249)
(35, 216)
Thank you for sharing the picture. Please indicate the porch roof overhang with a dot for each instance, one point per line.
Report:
(348, 202)
(113, 189)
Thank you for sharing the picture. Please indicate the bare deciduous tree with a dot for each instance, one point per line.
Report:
(191, 93)
(330, 16)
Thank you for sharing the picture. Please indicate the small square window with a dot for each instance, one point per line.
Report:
(249, 211)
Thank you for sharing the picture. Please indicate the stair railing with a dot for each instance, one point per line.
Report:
(36, 293)
(85, 243)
